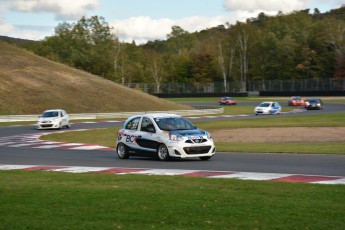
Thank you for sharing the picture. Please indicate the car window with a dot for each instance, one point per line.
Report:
(147, 125)
(133, 124)
(50, 114)
(265, 104)
(174, 123)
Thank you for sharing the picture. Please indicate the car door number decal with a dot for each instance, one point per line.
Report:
(130, 138)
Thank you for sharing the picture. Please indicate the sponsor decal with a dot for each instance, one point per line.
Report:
(120, 134)
(131, 138)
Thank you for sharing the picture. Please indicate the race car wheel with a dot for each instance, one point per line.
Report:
(163, 153)
(122, 151)
(205, 158)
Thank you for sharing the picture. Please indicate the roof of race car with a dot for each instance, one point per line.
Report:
(268, 102)
(52, 110)
(157, 115)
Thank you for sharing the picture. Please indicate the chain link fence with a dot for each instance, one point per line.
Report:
(175, 88)
(325, 84)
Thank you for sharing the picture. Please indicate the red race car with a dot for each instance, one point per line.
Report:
(296, 101)
(227, 101)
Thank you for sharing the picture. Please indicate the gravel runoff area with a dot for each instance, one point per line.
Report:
(279, 135)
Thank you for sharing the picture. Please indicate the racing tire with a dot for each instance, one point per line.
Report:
(204, 158)
(163, 152)
(122, 151)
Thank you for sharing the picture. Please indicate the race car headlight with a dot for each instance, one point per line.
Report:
(318, 104)
(174, 137)
(209, 136)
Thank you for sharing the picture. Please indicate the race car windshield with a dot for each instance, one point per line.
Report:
(265, 104)
(173, 123)
(50, 114)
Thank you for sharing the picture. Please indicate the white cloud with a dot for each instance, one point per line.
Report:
(5, 28)
(63, 9)
(285, 6)
(25, 32)
(142, 29)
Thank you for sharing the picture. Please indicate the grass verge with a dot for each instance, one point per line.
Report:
(51, 200)
(291, 147)
(321, 120)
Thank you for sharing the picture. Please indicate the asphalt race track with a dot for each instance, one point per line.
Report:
(304, 164)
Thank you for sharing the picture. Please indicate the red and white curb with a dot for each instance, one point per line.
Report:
(33, 141)
(314, 179)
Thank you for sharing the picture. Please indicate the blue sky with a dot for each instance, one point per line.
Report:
(140, 20)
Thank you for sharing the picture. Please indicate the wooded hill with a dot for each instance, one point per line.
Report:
(298, 45)
(31, 84)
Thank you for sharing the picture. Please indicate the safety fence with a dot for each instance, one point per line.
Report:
(324, 84)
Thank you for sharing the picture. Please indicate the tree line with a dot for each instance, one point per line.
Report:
(298, 45)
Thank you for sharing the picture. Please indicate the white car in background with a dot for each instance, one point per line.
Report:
(163, 135)
(268, 107)
(53, 119)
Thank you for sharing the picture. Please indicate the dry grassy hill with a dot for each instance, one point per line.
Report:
(30, 84)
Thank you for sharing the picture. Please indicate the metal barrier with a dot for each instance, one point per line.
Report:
(92, 116)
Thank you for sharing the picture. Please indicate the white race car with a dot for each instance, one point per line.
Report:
(53, 119)
(268, 107)
(163, 135)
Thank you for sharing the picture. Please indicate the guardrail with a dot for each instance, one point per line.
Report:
(91, 116)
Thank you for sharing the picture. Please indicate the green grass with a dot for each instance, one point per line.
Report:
(291, 147)
(322, 120)
(107, 137)
(17, 123)
(51, 200)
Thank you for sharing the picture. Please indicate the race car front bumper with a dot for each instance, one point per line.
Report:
(189, 150)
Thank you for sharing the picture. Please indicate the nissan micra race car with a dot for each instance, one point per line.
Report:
(268, 107)
(163, 135)
(53, 119)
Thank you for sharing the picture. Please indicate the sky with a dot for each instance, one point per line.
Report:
(141, 20)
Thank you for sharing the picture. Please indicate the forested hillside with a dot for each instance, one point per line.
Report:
(298, 45)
